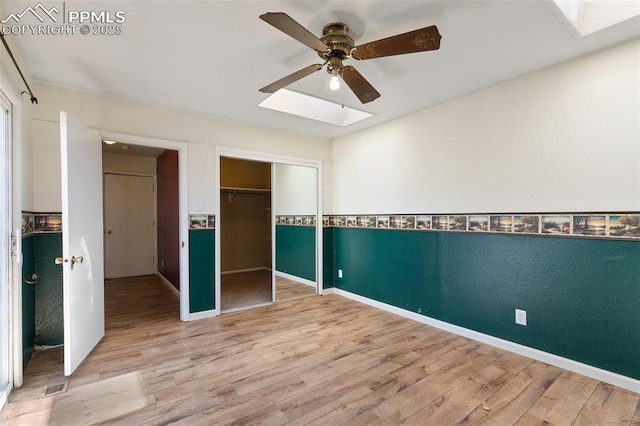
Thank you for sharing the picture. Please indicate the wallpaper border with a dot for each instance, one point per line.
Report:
(619, 226)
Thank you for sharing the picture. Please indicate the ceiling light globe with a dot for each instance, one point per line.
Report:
(334, 82)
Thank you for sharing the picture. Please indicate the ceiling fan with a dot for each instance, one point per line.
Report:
(336, 45)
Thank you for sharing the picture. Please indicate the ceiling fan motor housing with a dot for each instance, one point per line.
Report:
(336, 36)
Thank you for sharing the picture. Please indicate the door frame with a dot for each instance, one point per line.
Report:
(183, 187)
(14, 302)
(223, 151)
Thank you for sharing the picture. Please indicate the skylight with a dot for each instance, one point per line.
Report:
(589, 16)
(314, 108)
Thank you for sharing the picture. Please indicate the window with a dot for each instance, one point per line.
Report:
(589, 16)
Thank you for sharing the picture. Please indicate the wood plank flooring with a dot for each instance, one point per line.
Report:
(252, 288)
(321, 360)
(287, 289)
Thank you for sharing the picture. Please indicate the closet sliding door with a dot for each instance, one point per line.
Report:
(295, 210)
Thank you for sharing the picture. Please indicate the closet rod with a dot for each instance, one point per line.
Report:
(245, 190)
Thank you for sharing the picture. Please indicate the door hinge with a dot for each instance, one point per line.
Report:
(14, 245)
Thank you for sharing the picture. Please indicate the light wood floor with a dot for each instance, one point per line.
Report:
(254, 288)
(321, 360)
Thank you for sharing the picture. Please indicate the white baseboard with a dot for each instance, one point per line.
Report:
(558, 361)
(239, 271)
(168, 284)
(296, 279)
(327, 291)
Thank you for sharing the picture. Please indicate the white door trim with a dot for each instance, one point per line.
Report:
(223, 151)
(15, 286)
(183, 200)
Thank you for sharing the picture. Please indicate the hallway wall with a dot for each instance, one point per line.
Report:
(168, 229)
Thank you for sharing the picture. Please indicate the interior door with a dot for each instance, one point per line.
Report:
(129, 225)
(82, 240)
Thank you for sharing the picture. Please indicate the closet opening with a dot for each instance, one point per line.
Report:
(245, 223)
(267, 232)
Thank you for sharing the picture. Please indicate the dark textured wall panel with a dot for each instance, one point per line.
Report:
(202, 270)
(296, 251)
(327, 257)
(48, 292)
(28, 299)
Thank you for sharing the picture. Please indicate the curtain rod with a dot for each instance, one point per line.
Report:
(34, 100)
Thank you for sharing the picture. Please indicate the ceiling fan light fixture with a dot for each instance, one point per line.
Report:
(334, 81)
(337, 45)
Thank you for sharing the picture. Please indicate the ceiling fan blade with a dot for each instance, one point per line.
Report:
(359, 85)
(289, 26)
(291, 78)
(421, 40)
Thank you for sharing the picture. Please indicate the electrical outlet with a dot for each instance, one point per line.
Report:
(521, 317)
(339, 273)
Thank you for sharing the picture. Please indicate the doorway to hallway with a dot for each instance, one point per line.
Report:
(129, 222)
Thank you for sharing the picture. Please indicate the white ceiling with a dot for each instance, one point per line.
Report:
(211, 57)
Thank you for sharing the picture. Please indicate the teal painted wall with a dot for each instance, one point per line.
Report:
(48, 291)
(327, 257)
(296, 251)
(201, 270)
(28, 299)
(581, 295)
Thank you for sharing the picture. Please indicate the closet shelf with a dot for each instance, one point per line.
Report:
(237, 189)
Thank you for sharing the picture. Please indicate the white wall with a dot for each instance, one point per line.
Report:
(566, 138)
(128, 163)
(11, 83)
(295, 190)
(202, 133)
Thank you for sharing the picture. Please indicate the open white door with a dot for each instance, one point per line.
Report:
(82, 245)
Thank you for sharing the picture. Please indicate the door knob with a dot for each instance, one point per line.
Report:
(74, 260)
(109, 232)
